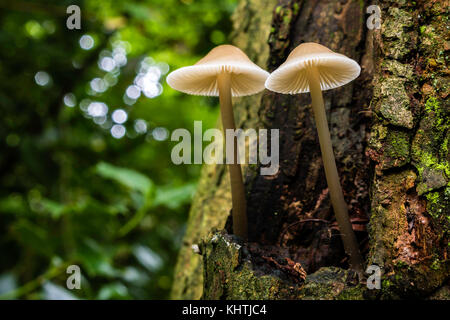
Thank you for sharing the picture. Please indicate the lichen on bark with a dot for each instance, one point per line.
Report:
(409, 216)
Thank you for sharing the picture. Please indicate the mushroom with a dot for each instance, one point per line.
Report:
(311, 67)
(225, 71)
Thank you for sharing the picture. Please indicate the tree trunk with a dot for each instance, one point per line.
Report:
(390, 132)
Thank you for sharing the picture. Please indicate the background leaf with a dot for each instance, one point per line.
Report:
(78, 184)
(127, 177)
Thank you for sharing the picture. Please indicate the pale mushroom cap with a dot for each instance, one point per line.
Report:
(201, 79)
(291, 77)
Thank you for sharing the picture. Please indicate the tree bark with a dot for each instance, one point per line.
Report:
(390, 132)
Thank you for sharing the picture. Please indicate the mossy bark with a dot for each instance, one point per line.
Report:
(410, 209)
(390, 132)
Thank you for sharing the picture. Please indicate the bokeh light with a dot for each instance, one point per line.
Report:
(119, 53)
(163, 67)
(148, 76)
(152, 90)
(111, 79)
(98, 85)
(160, 134)
(97, 109)
(119, 116)
(128, 101)
(99, 120)
(140, 126)
(107, 64)
(86, 42)
(84, 105)
(133, 92)
(118, 131)
(70, 100)
(42, 78)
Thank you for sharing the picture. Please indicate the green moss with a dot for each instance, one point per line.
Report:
(430, 161)
(430, 147)
(395, 151)
(401, 264)
(445, 145)
(287, 19)
(229, 273)
(398, 144)
(436, 265)
(432, 197)
(432, 105)
(386, 284)
(377, 136)
(430, 43)
(362, 5)
(353, 293)
(437, 204)
(295, 8)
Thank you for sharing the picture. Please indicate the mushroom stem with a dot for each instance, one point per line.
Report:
(331, 173)
(237, 185)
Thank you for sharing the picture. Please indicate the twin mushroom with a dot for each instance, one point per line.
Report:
(226, 71)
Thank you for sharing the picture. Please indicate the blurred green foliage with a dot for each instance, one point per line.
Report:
(71, 192)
